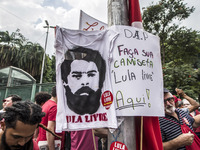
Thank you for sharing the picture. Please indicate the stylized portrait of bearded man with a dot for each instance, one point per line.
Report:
(83, 80)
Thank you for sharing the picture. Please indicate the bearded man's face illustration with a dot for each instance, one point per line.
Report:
(83, 91)
(83, 79)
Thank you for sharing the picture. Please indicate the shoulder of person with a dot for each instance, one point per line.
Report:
(181, 110)
(185, 110)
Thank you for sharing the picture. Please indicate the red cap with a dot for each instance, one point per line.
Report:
(179, 99)
(175, 99)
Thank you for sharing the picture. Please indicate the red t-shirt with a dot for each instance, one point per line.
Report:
(83, 140)
(50, 109)
(35, 145)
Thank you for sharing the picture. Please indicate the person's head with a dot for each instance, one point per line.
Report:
(169, 103)
(83, 74)
(186, 103)
(92, 62)
(42, 97)
(53, 92)
(180, 104)
(10, 99)
(21, 120)
(83, 79)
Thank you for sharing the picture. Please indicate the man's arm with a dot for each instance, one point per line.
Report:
(194, 104)
(50, 137)
(180, 141)
(196, 123)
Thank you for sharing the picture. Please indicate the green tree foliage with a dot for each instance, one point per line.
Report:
(183, 44)
(159, 19)
(184, 76)
(16, 50)
(180, 47)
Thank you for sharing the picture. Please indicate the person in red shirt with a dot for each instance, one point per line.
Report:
(50, 109)
(40, 99)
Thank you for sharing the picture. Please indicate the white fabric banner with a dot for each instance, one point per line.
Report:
(88, 23)
(83, 82)
(136, 73)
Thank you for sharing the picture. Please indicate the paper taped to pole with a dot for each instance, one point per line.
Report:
(136, 73)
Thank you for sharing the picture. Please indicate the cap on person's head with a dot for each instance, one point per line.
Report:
(179, 99)
(175, 99)
(166, 90)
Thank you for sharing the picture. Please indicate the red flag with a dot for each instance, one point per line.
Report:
(152, 138)
(135, 18)
(151, 133)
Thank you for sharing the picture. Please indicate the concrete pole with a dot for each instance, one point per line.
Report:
(125, 133)
(117, 12)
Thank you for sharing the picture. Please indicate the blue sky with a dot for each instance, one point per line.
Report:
(30, 15)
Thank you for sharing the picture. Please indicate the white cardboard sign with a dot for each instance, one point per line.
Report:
(136, 73)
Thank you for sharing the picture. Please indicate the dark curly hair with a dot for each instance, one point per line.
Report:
(24, 111)
(42, 97)
(15, 97)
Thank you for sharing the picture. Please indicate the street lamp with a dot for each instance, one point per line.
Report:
(42, 70)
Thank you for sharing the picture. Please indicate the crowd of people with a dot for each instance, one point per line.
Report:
(31, 126)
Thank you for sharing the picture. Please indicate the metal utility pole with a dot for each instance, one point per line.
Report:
(42, 70)
(125, 133)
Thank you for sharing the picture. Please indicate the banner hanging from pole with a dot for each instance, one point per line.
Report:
(88, 23)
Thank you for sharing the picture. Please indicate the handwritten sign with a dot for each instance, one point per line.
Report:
(136, 73)
(88, 23)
